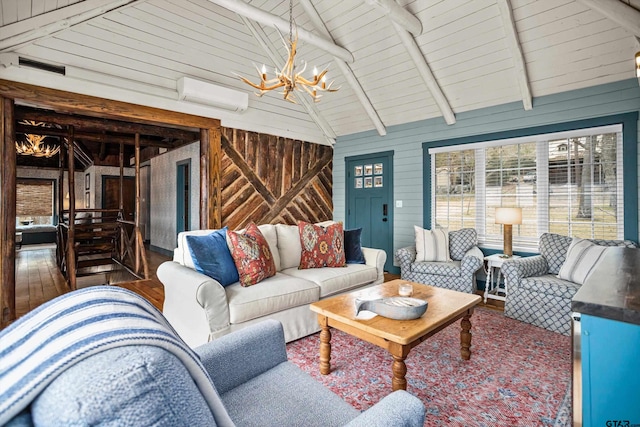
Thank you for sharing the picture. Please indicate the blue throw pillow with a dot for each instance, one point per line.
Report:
(353, 247)
(211, 256)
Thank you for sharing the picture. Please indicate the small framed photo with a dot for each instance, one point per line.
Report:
(377, 169)
(377, 181)
(87, 182)
(357, 171)
(368, 182)
(358, 183)
(87, 200)
(368, 169)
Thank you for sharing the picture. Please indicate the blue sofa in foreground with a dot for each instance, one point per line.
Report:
(105, 356)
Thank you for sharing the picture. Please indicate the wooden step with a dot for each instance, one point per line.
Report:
(84, 263)
(91, 271)
(94, 248)
(93, 234)
(97, 226)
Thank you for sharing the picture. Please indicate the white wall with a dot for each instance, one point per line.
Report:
(163, 194)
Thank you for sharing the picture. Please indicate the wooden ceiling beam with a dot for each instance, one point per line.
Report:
(93, 137)
(398, 14)
(513, 43)
(347, 72)
(628, 17)
(84, 122)
(61, 100)
(425, 72)
(266, 18)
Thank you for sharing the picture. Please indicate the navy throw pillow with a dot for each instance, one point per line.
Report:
(353, 247)
(211, 256)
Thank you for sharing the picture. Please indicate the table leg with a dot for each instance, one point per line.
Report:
(399, 382)
(325, 349)
(487, 286)
(465, 337)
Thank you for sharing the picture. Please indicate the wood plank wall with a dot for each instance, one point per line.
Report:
(269, 179)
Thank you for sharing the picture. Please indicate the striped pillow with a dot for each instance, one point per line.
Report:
(432, 245)
(582, 257)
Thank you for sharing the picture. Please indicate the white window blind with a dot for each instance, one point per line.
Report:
(568, 183)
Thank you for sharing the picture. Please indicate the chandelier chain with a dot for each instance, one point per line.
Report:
(291, 21)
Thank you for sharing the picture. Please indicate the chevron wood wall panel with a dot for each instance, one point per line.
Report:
(269, 179)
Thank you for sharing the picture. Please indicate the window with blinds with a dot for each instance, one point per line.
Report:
(35, 200)
(567, 183)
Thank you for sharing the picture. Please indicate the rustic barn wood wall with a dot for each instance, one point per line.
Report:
(269, 179)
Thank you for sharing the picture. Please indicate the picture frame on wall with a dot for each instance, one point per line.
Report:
(87, 182)
(87, 199)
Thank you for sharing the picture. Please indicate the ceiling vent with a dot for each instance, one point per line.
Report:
(58, 69)
(200, 92)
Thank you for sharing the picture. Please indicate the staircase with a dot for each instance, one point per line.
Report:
(103, 246)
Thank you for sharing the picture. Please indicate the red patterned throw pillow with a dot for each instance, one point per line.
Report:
(321, 246)
(251, 254)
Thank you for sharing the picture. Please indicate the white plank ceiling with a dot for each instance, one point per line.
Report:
(136, 50)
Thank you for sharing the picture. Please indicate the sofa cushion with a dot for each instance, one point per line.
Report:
(274, 294)
(338, 279)
(251, 254)
(211, 256)
(270, 235)
(582, 257)
(289, 247)
(549, 284)
(353, 246)
(461, 241)
(431, 245)
(451, 268)
(554, 248)
(286, 396)
(321, 247)
(121, 386)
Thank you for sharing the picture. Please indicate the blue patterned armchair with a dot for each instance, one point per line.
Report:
(535, 294)
(459, 274)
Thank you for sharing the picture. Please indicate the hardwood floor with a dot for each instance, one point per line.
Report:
(38, 279)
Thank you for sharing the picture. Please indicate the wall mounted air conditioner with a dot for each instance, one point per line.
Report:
(200, 92)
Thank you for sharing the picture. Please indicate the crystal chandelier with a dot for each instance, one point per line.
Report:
(288, 78)
(34, 144)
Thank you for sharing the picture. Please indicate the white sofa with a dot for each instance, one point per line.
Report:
(201, 309)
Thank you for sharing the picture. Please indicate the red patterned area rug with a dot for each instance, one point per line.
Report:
(518, 375)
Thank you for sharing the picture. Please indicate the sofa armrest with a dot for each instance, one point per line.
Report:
(471, 261)
(375, 258)
(514, 270)
(195, 304)
(236, 358)
(398, 409)
(406, 256)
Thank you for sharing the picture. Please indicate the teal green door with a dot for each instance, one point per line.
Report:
(369, 200)
(183, 196)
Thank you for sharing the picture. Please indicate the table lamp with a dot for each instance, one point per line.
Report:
(508, 217)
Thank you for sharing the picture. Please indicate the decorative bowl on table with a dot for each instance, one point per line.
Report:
(397, 308)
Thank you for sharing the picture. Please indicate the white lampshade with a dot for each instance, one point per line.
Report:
(508, 215)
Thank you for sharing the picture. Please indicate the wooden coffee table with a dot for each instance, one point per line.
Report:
(398, 337)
